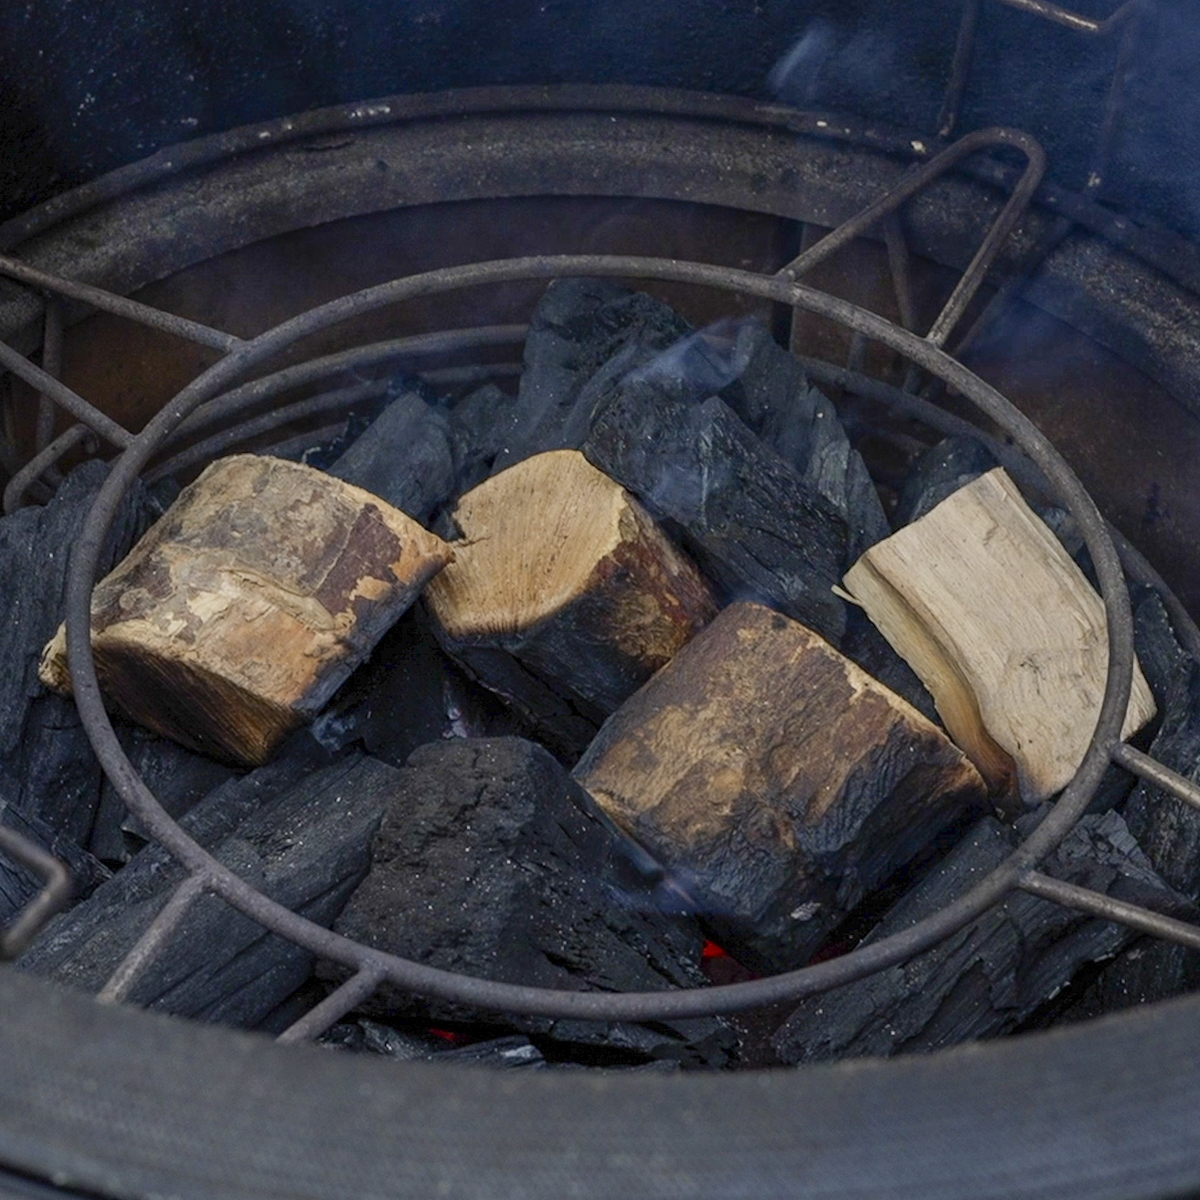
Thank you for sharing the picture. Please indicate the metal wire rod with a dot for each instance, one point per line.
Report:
(64, 397)
(157, 934)
(119, 306)
(18, 485)
(335, 1006)
(53, 897)
(446, 341)
(489, 994)
(1074, 20)
(52, 345)
(1152, 771)
(1016, 204)
(1096, 904)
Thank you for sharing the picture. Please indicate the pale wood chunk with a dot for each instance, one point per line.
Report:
(248, 604)
(562, 569)
(776, 781)
(1004, 630)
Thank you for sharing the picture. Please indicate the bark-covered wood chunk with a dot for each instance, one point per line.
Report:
(237, 616)
(562, 569)
(1000, 624)
(991, 976)
(307, 847)
(491, 861)
(776, 781)
(404, 457)
(752, 522)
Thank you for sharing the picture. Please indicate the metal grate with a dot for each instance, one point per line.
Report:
(217, 401)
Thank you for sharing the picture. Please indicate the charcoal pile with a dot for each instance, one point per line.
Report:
(626, 680)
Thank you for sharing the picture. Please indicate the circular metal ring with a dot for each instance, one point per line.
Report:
(631, 1006)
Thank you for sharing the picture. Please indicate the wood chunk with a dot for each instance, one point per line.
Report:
(237, 616)
(492, 861)
(991, 976)
(307, 847)
(403, 457)
(562, 569)
(776, 781)
(1002, 627)
(752, 522)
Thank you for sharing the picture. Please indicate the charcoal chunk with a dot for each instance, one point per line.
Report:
(407, 694)
(579, 327)
(42, 743)
(774, 397)
(749, 519)
(989, 977)
(1168, 830)
(19, 885)
(301, 836)
(482, 426)
(493, 862)
(939, 473)
(177, 777)
(404, 457)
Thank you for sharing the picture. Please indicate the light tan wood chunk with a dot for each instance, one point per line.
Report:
(776, 781)
(245, 607)
(1004, 630)
(561, 568)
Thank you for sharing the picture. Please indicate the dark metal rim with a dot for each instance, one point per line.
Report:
(372, 966)
(1165, 251)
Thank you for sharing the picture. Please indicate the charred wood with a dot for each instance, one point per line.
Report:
(992, 975)
(492, 861)
(307, 847)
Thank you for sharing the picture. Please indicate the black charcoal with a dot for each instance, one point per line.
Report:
(404, 457)
(483, 425)
(409, 693)
(775, 398)
(492, 861)
(578, 329)
(42, 743)
(939, 473)
(177, 778)
(19, 885)
(991, 976)
(748, 518)
(300, 836)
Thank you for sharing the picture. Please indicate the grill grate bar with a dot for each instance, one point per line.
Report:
(1096, 904)
(150, 945)
(335, 1006)
(64, 397)
(216, 395)
(1152, 771)
(119, 306)
(40, 464)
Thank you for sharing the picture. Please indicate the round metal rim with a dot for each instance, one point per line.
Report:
(375, 966)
